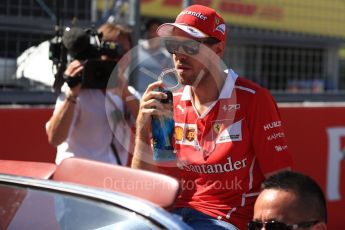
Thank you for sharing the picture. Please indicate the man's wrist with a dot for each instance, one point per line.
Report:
(142, 131)
(143, 136)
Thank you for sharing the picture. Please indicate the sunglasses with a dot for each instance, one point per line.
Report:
(190, 47)
(276, 225)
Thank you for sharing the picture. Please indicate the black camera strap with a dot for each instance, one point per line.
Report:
(72, 81)
(116, 154)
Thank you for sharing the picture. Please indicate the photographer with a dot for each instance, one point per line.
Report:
(81, 125)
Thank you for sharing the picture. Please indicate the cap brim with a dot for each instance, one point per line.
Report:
(166, 29)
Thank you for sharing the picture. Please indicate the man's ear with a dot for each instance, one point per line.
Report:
(220, 48)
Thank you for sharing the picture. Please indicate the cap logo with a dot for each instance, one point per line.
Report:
(193, 31)
(192, 13)
(221, 28)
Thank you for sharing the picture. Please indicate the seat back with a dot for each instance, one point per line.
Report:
(159, 189)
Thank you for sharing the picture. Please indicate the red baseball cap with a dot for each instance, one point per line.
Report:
(198, 21)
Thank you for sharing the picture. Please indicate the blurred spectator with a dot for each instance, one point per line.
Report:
(289, 200)
(152, 56)
(93, 123)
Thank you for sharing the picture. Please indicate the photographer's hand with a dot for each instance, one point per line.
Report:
(73, 71)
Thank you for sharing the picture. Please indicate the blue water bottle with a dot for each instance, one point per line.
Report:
(162, 133)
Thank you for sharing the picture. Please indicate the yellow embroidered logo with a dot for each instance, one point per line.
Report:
(217, 127)
(178, 133)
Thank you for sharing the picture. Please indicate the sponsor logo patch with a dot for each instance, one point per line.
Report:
(231, 133)
(193, 31)
(275, 136)
(178, 133)
(192, 13)
(217, 127)
(185, 134)
(280, 148)
(221, 28)
(181, 109)
(190, 134)
(272, 125)
(231, 107)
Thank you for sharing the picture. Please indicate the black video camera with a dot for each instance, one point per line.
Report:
(86, 45)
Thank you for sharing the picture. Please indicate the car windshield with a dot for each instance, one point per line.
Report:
(23, 208)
